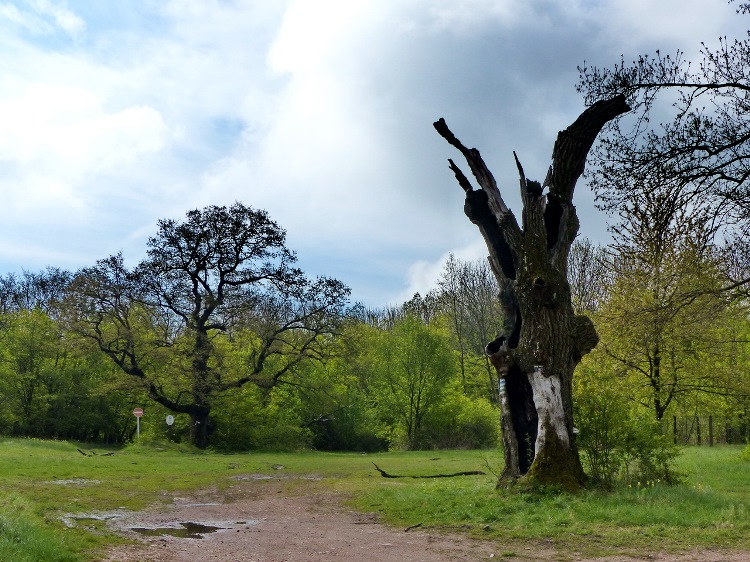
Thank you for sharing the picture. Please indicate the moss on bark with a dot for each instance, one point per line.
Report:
(557, 464)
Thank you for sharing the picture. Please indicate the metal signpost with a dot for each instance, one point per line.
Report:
(138, 412)
(170, 421)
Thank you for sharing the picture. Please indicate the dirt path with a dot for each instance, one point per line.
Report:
(264, 524)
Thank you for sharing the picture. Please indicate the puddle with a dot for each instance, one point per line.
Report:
(71, 520)
(241, 477)
(253, 477)
(80, 481)
(186, 531)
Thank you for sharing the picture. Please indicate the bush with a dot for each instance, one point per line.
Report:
(618, 445)
(460, 422)
(349, 428)
(256, 418)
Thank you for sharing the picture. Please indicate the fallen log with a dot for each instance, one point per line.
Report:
(384, 474)
(92, 453)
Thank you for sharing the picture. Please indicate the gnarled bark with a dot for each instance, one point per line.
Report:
(542, 339)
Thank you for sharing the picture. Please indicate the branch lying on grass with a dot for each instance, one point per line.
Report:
(384, 474)
(95, 454)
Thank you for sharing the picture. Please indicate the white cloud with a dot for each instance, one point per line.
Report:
(311, 34)
(319, 112)
(57, 138)
(465, 16)
(422, 276)
(11, 13)
(43, 17)
(68, 125)
(109, 141)
(638, 26)
(62, 16)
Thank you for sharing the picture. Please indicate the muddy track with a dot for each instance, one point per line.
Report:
(262, 522)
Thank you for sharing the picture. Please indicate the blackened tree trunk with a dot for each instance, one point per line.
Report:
(542, 340)
(200, 426)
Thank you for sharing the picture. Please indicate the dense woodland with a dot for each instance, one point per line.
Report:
(270, 359)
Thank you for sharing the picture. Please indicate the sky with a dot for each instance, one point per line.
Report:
(117, 113)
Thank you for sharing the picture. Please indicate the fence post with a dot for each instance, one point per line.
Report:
(710, 430)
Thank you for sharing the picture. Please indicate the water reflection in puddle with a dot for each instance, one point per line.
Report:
(187, 531)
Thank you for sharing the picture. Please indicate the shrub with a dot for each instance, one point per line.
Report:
(460, 422)
(349, 428)
(617, 443)
(258, 418)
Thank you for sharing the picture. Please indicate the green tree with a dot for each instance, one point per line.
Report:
(29, 354)
(698, 150)
(468, 296)
(54, 387)
(666, 318)
(339, 397)
(220, 271)
(414, 364)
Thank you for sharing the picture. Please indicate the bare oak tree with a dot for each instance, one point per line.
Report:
(542, 340)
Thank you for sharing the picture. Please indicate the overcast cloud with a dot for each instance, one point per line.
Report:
(116, 113)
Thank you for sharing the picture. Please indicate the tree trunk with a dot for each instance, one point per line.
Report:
(542, 339)
(200, 409)
(200, 427)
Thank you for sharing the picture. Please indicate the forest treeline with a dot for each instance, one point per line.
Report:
(287, 362)
(412, 376)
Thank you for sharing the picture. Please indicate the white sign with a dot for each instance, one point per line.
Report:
(170, 419)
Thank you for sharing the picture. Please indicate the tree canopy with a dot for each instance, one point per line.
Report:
(701, 147)
(209, 277)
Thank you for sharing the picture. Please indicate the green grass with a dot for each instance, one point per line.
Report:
(45, 481)
(25, 537)
(710, 510)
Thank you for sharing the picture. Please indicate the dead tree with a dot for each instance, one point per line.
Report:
(542, 339)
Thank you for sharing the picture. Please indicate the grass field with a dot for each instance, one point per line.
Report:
(45, 481)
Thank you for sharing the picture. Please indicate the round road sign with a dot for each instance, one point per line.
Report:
(138, 412)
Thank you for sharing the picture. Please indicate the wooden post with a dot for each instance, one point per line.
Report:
(674, 428)
(710, 431)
